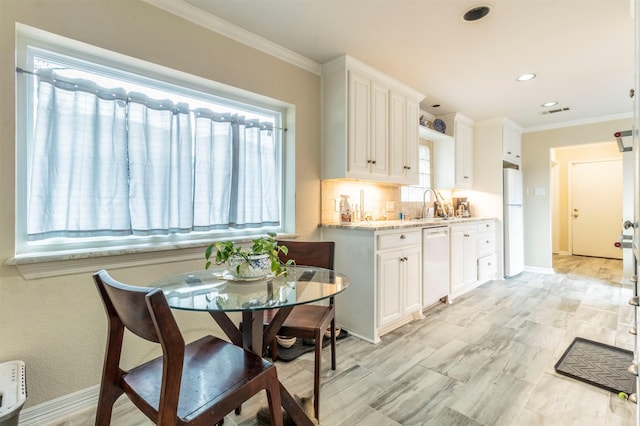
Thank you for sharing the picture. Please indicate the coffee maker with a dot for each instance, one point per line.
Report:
(461, 206)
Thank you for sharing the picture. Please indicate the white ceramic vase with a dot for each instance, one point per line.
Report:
(257, 266)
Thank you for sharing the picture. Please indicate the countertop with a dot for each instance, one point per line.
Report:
(381, 225)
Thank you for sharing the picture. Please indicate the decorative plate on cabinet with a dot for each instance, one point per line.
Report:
(439, 125)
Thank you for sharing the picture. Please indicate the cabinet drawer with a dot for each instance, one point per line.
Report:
(486, 244)
(487, 267)
(399, 239)
(488, 226)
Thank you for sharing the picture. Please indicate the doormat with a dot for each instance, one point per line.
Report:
(302, 346)
(598, 364)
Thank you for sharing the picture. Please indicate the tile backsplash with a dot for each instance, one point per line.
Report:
(380, 200)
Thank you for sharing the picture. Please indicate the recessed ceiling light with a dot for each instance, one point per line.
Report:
(526, 77)
(550, 104)
(475, 13)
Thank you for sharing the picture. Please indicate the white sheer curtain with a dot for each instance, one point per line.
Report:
(79, 165)
(236, 171)
(111, 163)
(160, 166)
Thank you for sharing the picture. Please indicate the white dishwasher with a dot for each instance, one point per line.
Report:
(435, 265)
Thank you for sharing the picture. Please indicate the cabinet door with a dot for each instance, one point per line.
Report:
(389, 295)
(397, 135)
(464, 154)
(464, 258)
(358, 125)
(511, 144)
(412, 281)
(457, 259)
(470, 268)
(379, 143)
(412, 168)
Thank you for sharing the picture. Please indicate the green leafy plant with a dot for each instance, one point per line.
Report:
(220, 252)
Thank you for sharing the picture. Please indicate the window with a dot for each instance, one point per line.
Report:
(413, 193)
(113, 151)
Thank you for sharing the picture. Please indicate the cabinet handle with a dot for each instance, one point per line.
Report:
(373, 161)
(509, 152)
(466, 177)
(402, 237)
(488, 241)
(407, 167)
(517, 156)
(466, 235)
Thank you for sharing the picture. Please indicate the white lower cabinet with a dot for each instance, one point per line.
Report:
(487, 258)
(399, 282)
(473, 256)
(385, 283)
(464, 259)
(385, 270)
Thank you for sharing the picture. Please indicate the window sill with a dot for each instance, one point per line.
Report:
(34, 266)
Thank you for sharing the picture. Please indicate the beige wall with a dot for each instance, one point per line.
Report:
(536, 163)
(57, 325)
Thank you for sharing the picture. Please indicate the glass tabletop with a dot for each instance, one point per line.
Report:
(217, 290)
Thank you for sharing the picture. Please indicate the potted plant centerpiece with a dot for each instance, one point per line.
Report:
(257, 260)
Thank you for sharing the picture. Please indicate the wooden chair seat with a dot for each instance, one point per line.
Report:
(303, 319)
(224, 375)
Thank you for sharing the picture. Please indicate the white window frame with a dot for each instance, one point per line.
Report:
(413, 193)
(26, 252)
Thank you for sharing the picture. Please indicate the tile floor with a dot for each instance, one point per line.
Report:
(487, 359)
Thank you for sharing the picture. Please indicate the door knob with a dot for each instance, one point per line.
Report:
(575, 215)
(628, 224)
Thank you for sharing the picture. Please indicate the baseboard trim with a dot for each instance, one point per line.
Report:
(539, 270)
(63, 406)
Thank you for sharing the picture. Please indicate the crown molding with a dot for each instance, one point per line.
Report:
(227, 29)
(581, 122)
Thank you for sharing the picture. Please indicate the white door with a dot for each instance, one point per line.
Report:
(596, 208)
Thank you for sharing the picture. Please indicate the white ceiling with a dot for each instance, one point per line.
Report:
(581, 50)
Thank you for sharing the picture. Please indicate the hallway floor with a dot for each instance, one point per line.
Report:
(487, 359)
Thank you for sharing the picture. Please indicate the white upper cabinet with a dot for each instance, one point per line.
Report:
(511, 142)
(403, 141)
(461, 128)
(370, 124)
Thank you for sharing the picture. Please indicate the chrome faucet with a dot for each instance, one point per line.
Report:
(424, 200)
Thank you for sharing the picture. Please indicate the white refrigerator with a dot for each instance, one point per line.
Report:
(513, 223)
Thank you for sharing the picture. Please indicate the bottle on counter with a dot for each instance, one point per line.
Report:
(346, 213)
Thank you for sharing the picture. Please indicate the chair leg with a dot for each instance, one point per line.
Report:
(333, 344)
(274, 350)
(273, 398)
(108, 397)
(316, 373)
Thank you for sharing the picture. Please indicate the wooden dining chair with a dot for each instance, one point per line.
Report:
(309, 321)
(194, 384)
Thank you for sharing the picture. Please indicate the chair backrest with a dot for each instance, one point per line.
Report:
(310, 253)
(145, 312)
(142, 310)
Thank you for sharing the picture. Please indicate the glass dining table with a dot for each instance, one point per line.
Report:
(218, 293)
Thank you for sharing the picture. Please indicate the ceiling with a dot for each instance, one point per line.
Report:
(581, 50)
